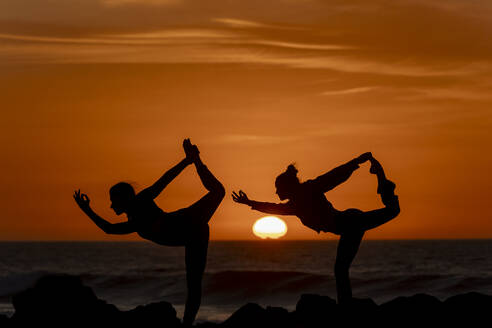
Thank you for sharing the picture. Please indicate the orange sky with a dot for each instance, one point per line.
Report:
(95, 92)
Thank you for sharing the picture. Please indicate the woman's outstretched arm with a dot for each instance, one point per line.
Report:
(269, 208)
(340, 174)
(109, 228)
(154, 190)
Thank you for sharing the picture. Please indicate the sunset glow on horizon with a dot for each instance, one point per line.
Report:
(101, 91)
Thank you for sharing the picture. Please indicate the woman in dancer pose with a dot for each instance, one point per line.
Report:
(186, 227)
(307, 201)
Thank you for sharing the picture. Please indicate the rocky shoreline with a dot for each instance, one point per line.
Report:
(63, 301)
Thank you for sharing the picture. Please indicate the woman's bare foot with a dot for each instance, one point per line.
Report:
(376, 167)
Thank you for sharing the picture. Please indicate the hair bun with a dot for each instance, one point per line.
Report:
(292, 170)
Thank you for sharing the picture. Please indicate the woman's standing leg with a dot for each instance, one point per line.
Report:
(196, 260)
(348, 246)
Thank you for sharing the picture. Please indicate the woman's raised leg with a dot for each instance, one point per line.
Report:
(205, 207)
(353, 219)
(386, 188)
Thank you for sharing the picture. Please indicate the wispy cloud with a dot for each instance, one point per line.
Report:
(115, 3)
(150, 38)
(241, 23)
(173, 36)
(207, 47)
(305, 46)
(177, 34)
(452, 93)
(256, 139)
(348, 91)
(235, 34)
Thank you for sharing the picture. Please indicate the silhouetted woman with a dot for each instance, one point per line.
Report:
(307, 201)
(186, 227)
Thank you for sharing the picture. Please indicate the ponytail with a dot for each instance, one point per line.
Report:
(291, 171)
(288, 177)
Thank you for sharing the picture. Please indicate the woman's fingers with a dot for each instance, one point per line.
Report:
(85, 198)
(80, 198)
(239, 198)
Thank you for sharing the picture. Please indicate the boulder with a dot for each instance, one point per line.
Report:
(62, 300)
(253, 315)
(313, 309)
(471, 307)
(412, 309)
(249, 315)
(161, 314)
(4, 321)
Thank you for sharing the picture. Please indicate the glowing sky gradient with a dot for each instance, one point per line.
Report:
(95, 92)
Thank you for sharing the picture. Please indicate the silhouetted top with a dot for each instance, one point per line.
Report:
(164, 228)
(309, 202)
(143, 214)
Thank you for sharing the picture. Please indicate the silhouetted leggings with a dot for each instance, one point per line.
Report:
(196, 246)
(189, 227)
(351, 225)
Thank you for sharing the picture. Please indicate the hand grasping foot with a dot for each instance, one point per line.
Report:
(191, 150)
(364, 157)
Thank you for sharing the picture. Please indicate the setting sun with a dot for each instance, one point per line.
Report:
(270, 227)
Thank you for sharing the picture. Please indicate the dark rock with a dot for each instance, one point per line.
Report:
(470, 301)
(471, 306)
(60, 299)
(207, 325)
(420, 302)
(63, 301)
(357, 311)
(360, 304)
(249, 315)
(277, 317)
(313, 309)
(253, 315)
(4, 321)
(412, 309)
(161, 314)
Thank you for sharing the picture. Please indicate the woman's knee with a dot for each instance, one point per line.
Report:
(393, 208)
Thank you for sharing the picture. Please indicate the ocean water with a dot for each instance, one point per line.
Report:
(272, 273)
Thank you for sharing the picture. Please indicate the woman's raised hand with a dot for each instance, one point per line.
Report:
(241, 198)
(81, 199)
